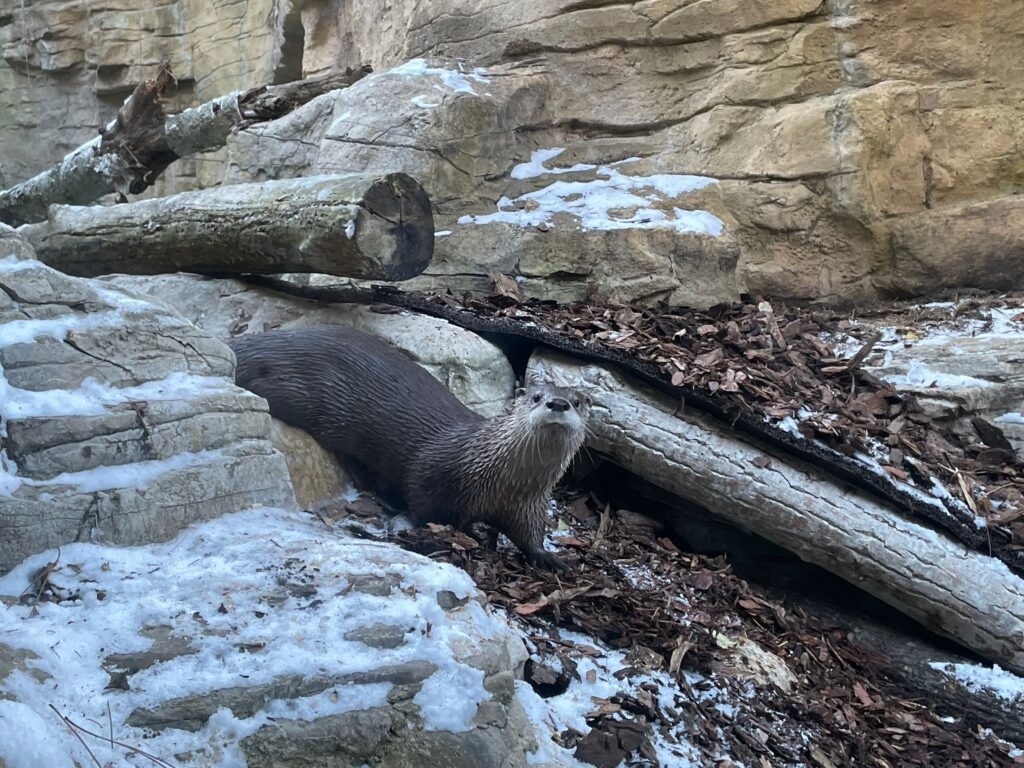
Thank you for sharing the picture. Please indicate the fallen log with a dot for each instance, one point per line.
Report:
(142, 141)
(969, 597)
(366, 226)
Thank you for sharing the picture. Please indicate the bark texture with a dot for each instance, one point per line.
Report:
(377, 227)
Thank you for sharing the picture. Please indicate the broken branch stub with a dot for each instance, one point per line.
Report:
(375, 227)
(142, 141)
(954, 591)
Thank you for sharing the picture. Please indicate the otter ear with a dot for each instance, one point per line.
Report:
(520, 392)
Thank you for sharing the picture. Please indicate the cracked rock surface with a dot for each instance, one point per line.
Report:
(849, 153)
(120, 420)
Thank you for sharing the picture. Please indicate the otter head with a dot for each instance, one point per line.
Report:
(549, 407)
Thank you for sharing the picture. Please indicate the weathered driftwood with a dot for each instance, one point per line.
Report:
(964, 595)
(137, 146)
(367, 226)
(269, 102)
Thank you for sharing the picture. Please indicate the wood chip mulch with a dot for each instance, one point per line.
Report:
(753, 365)
(676, 614)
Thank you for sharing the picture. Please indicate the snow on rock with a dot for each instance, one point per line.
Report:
(264, 601)
(120, 420)
(423, 102)
(960, 359)
(920, 375)
(458, 80)
(1013, 417)
(930, 337)
(92, 398)
(613, 200)
(536, 165)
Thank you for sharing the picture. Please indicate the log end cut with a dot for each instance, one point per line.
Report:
(395, 226)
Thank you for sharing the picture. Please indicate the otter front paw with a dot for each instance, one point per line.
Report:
(546, 561)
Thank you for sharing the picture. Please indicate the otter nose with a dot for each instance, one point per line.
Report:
(558, 404)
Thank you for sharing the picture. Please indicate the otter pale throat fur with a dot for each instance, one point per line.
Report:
(415, 442)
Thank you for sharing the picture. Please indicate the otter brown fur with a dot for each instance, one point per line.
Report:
(363, 399)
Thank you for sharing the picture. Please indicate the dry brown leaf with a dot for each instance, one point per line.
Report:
(506, 286)
(862, 695)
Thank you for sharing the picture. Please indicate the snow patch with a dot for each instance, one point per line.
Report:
(137, 475)
(535, 166)
(27, 331)
(788, 424)
(443, 712)
(938, 490)
(220, 585)
(129, 304)
(12, 263)
(977, 678)
(612, 201)
(92, 397)
(423, 103)
(921, 376)
(596, 679)
(21, 742)
(454, 80)
(1013, 417)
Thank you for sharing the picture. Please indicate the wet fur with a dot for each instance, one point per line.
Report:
(363, 399)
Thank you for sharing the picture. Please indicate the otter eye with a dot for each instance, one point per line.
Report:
(576, 403)
(536, 398)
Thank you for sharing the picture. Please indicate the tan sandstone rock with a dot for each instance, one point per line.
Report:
(67, 66)
(829, 135)
(316, 474)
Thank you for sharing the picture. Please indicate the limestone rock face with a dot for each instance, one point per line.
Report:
(569, 223)
(841, 144)
(120, 420)
(824, 151)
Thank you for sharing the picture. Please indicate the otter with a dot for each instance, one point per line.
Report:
(413, 441)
